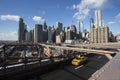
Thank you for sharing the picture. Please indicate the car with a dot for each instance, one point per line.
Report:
(79, 60)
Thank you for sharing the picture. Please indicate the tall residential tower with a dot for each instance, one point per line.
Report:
(98, 18)
(99, 33)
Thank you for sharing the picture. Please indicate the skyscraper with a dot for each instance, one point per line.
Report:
(44, 32)
(91, 23)
(99, 33)
(32, 35)
(50, 34)
(44, 25)
(106, 34)
(28, 36)
(74, 31)
(79, 27)
(38, 36)
(59, 25)
(73, 28)
(98, 18)
(80, 33)
(22, 31)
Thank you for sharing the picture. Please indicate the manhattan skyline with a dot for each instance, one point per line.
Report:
(68, 12)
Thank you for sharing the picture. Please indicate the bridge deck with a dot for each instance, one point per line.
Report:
(110, 71)
(80, 49)
(71, 72)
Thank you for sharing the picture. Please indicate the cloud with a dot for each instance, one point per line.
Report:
(84, 7)
(38, 19)
(117, 20)
(111, 22)
(68, 7)
(80, 15)
(117, 16)
(10, 17)
(13, 35)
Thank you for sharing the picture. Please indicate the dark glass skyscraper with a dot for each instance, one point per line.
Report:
(73, 28)
(22, 31)
(38, 33)
(44, 25)
(59, 25)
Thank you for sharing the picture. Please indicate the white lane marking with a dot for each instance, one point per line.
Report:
(1, 67)
(14, 65)
(79, 67)
(45, 60)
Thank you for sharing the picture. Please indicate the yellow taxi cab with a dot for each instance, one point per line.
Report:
(79, 60)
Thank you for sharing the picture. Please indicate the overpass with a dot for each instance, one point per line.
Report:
(90, 48)
(96, 45)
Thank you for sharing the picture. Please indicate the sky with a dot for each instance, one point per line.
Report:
(66, 11)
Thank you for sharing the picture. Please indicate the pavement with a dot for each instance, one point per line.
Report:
(82, 72)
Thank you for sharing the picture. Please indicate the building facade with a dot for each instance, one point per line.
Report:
(59, 26)
(99, 33)
(51, 31)
(22, 31)
(44, 25)
(38, 33)
(98, 18)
